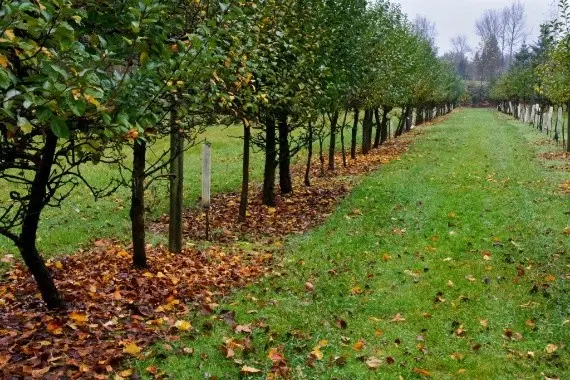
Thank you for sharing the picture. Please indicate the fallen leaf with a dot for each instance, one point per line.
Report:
(275, 356)
(246, 370)
(551, 348)
(373, 362)
(341, 324)
(183, 325)
(36, 373)
(358, 346)
(309, 287)
(398, 318)
(356, 291)
(457, 356)
(126, 373)
(132, 349)
(79, 318)
(243, 329)
(317, 353)
(422, 372)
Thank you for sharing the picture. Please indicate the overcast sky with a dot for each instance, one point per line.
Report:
(455, 17)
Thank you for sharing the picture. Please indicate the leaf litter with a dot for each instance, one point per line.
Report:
(115, 312)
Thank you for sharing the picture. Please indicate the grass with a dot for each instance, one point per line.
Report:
(443, 240)
(81, 219)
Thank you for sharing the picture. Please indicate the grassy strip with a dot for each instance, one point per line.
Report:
(452, 261)
(81, 219)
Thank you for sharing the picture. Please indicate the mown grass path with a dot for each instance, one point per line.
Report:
(451, 262)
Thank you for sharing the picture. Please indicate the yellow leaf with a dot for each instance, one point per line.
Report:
(317, 353)
(58, 265)
(183, 325)
(9, 33)
(3, 61)
(93, 101)
(126, 373)
(132, 349)
(79, 318)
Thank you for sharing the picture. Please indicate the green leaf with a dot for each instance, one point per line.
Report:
(4, 79)
(43, 113)
(59, 127)
(77, 106)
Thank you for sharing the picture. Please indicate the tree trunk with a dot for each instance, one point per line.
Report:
(27, 239)
(285, 182)
(332, 145)
(342, 138)
(401, 122)
(270, 159)
(407, 118)
(137, 205)
(385, 120)
(309, 156)
(176, 186)
(354, 134)
(378, 128)
(245, 173)
(367, 131)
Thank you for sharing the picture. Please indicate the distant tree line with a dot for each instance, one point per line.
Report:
(536, 88)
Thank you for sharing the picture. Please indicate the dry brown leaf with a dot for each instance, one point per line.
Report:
(551, 348)
(373, 362)
(422, 372)
(358, 346)
(247, 370)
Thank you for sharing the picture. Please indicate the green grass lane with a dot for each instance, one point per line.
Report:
(463, 238)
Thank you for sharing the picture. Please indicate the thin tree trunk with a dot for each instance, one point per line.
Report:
(309, 156)
(385, 119)
(270, 159)
(378, 128)
(332, 145)
(176, 186)
(137, 205)
(285, 182)
(342, 138)
(401, 122)
(27, 239)
(245, 173)
(354, 134)
(408, 121)
(367, 131)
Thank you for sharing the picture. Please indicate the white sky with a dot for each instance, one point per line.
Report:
(455, 17)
